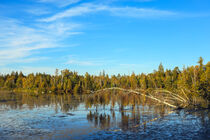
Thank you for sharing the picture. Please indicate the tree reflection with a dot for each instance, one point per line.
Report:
(105, 110)
(122, 110)
(65, 103)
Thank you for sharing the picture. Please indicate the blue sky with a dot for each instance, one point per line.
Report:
(118, 36)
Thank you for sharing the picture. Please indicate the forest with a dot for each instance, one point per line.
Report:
(193, 81)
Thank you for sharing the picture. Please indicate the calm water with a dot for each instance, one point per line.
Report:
(100, 116)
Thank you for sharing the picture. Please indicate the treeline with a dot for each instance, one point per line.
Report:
(193, 80)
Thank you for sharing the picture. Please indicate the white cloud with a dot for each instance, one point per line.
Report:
(28, 70)
(140, 12)
(89, 62)
(117, 11)
(78, 61)
(75, 11)
(60, 28)
(60, 3)
(38, 11)
(19, 43)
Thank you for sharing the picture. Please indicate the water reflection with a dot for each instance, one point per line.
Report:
(21, 100)
(122, 111)
(108, 111)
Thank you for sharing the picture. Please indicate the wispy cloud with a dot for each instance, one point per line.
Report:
(28, 70)
(75, 11)
(60, 3)
(79, 61)
(59, 28)
(19, 43)
(38, 11)
(117, 11)
(140, 12)
(88, 62)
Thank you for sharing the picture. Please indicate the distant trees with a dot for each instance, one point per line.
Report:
(194, 79)
(133, 81)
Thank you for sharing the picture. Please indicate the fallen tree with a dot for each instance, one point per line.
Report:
(162, 96)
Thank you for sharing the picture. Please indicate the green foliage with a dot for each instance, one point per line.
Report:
(195, 80)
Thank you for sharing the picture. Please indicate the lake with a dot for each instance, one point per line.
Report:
(111, 115)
